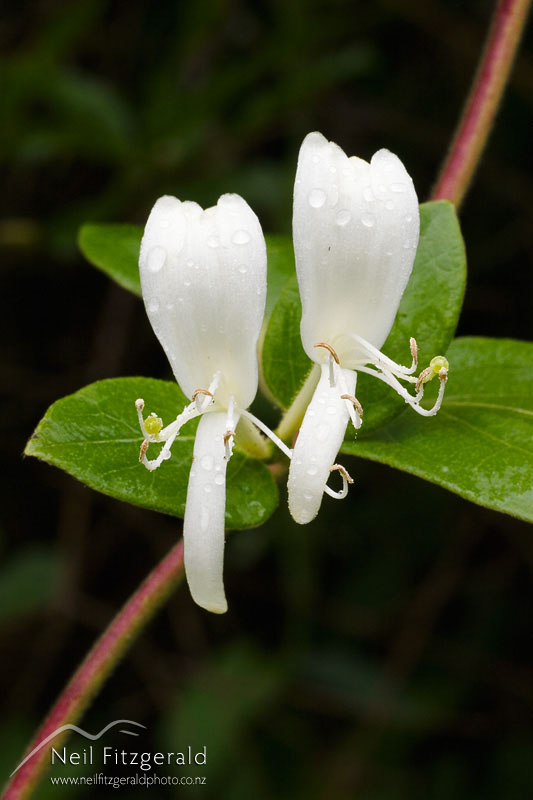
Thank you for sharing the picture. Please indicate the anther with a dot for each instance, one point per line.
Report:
(343, 471)
(228, 444)
(228, 435)
(426, 375)
(355, 402)
(139, 404)
(414, 350)
(142, 452)
(201, 391)
(330, 348)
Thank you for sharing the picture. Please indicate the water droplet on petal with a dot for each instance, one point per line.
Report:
(166, 455)
(343, 217)
(398, 187)
(212, 241)
(163, 223)
(241, 237)
(156, 258)
(368, 194)
(308, 496)
(315, 159)
(204, 518)
(190, 263)
(408, 217)
(219, 480)
(331, 410)
(208, 488)
(243, 269)
(153, 305)
(389, 205)
(207, 462)
(186, 282)
(312, 471)
(316, 198)
(368, 220)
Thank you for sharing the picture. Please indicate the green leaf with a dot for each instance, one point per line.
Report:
(480, 444)
(94, 435)
(429, 311)
(285, 365)
(114, 249)
(281, 268)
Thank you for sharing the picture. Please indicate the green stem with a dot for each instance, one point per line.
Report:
(95, 669)
(292, 419)
(482, 104)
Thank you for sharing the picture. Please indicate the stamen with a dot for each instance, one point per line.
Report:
(266, 430)
(208, 394)
(354, 406)
(139, 405)
(343, 471)
(346, 479)
(228, 444)
(333, 359)
(201, 391)
(198, 397)
(354, 401)
(230, 429)
(437, 366)
(330, 348)
(414, 352)
(414, 401)
(142, 452)
(425, 376)
(382, 361)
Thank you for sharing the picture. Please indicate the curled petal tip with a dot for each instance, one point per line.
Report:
(318, 443)
(203, 527)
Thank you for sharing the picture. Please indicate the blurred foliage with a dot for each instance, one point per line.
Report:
(385, 656)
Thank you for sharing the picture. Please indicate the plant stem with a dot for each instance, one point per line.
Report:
(292, 419)
(96, 668)
(482, 104)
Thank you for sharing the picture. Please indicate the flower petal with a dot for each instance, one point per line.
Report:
(203, 527)
(317, 445)
(203, 278)
(355, 228)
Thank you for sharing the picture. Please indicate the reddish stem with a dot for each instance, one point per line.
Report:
(482, 104)
(97, 666)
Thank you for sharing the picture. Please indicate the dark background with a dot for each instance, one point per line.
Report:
(382, 652)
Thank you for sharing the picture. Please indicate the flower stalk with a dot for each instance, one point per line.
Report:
(483, 101)
(97, 666)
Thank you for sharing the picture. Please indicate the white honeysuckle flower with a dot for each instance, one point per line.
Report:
(203, 278)
(355, 228)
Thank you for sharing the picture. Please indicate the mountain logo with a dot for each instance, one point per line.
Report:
(92, 737)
